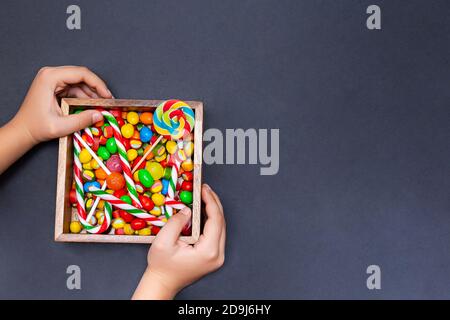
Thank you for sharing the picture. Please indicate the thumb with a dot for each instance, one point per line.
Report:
(76, 122)
(170, 233)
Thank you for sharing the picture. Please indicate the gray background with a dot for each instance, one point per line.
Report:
(363, 117)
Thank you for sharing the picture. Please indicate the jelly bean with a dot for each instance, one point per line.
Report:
(94, 164)
(136, 176)
(75, 227)
(113, 163)
(115, 181)
(100, 220)
(155, 169)
(101, 174)
(103, 153)
(186, 197)
(102, 140)
(126, 199)
(187, 176)
(118, 223)
(111, 145)
(132, 117)
(120, 231)
(145, 178)
(158, 199)
(95, 132)
(139, 187)
(188, 148)
(108, 131)
(146, 202)
(124, 114)
(93, 221)
(145, 231)
(136, 135)
(128, 230)
(151, 154)
(120, 122)
(127, 217)
(156, 211)
(140, 152)
(99, 123)
(126, 143)
(145, 134)
(139, 126)
(120, 193)
(187, 165)
(161, 157)
(156, 187)
(88, 175)
(187, 186)
(138, 224)
(146, 118)
(159, 150)
(116, 214)
(96, 144)
(73, 196)
(127, 130)
(87, 166)
(99, 214)
(171, 147)
(135, 144)
(116, 113)
(89, 184)
(89, 203)
(167, 173)
(155, 230)
(84, 156)
(165, 186)
(101, 204)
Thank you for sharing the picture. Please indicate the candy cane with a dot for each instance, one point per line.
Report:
(123, 158)
(138, 213)
(170, 202)
(89, 137)
(81, 207)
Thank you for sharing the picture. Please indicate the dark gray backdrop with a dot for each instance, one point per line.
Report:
(363, 117)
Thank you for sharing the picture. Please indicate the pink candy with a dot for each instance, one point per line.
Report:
(113, 163)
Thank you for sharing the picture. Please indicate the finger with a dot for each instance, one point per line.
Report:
(75, 122)
(216, 197)
(169, 235)
(214, 223)
(89, 91)
(76, 92)
(68, 75)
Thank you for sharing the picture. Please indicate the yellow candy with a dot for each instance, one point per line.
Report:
(87, 166)
(118, 223)
(127, 130)
(158, 199)
(109, 191)
(155, 169)
(156, 187)
(93, 221)
(75, 227)
(136, 144)
(89, 203)
(189, 148)
(128, 230)
(99, 214)
(161, 157)
(88, 175)
(94, 164)
(100, 220)
(136, 176)
(85, 156)
(187, 165)
(171, 147)
(132, 117)
(160, 151)
(145, 232)
(132, 154)
(139, 188)
(156, 211)
(101, 204)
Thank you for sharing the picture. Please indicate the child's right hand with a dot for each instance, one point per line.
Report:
(173, 264)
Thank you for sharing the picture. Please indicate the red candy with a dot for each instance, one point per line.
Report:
(116, 214)
(120, 193)
(126, 143)
(146, 202)
(187, 176)
(103, 140)
(113, 163)
(108, 132)
(96, 143)
(127, 217)
(115, 181)
(120, 231)
(116, 113)
(138, 224)
(141, 166)
(120, 122)
(187, 185)
(73, 196)
(155, 230)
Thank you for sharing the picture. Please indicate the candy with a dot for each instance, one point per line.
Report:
(113, 163)
(146, 118)
(155, 230)
(75, 227)
(145, 232)
(132, 154)
(73, 196)
(146, 202)
(119, 232)
(145, 134)
(89, 184)
(165, 186)
(186, 197)
(187, 176)
(156, 187)
(127, 217)
(128, 230)
(174, 118)
(158, 199)
(127, 130)
(115, 181)
(138, 224)
(187, 165)
(171, 147)
(111, 145)
(188, 148)
(155, 169)
(167, 173)
(132, 117)
(108, 131)
(161, 157)
(145, 178)
(118, 223)
(101, 174)
(103, 153)
(187, 186)
(88, 175)
(85, 156)
(126, 199)
(135, 144)
(156, 211)
(94, 164)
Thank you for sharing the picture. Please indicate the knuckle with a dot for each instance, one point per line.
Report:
(220, 261)
(45, 71)
(212, 255)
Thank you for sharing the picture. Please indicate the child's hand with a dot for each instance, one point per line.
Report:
(174, 264)
(40, 117)
(40, 113)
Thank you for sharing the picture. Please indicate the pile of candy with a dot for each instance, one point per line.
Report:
(133, 170)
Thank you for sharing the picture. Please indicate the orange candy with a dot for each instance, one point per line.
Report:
(151, 155)
(146, 117)
(115, 181)
(100, 174)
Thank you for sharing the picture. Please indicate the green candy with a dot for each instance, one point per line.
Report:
(103, 153)
(145, 178)
(111, 145)
(126, 199)
(140, 152)
(167, 173)
(186, 197)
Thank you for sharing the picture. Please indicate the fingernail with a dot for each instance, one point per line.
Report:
(96, 117)
(110, 93)
(186, 211)
(207, 187)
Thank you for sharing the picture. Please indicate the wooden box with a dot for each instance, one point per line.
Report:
(64, 210)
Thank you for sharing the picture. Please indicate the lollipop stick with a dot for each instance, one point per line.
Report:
(146, 154)
(99, 161)
(94, 206)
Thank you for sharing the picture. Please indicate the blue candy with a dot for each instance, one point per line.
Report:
(165, 188)
(89, 184)
(145, 134)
